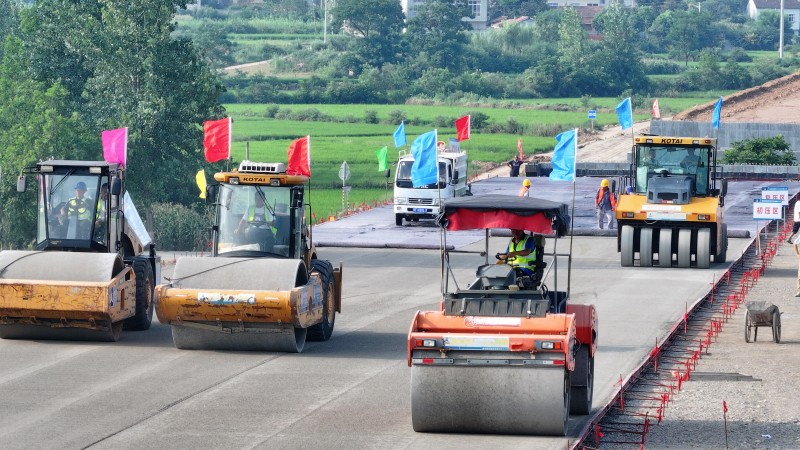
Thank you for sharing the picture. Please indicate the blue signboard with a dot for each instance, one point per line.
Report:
(592, 114)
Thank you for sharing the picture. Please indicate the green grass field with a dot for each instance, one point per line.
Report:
(333, 143)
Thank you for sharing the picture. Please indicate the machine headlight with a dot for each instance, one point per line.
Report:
(401, 200)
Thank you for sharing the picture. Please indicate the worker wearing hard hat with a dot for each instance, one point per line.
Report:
(525, 190)
(80, 209)
(606, 204)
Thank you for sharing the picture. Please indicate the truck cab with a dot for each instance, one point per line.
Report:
(422, 202)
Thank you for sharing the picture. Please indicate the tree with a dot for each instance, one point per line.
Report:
(684, 35)
(438, 34)
(571, 51)
(122, 67)
(515, 8)
(378, 25)
(618, 57)
(773, 151)
(36, 123)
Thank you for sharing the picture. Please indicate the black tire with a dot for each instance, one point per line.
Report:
(747, 327)
(582, 383)
(398, 220)
(722, 255)
(323, 330)
(776, 327)
(144, 296)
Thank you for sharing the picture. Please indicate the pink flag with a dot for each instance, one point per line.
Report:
(115, 145)
(656, 111)
(217, 135)
(300, 157)
(462, 128)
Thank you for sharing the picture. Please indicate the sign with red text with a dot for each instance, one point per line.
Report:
(776, 193)
(767, 209)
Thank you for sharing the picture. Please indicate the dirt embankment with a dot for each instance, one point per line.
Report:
(777, 101)
(773, 102)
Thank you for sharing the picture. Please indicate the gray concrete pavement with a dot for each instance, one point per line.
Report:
(349, 392)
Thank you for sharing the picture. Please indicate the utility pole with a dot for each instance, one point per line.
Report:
(325, 21)
(780, 41)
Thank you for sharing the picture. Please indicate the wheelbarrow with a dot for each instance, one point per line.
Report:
(762, 314)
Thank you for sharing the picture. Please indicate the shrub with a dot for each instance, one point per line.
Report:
(774, 150)
(396, 116)
(180, 228)
(371, 116)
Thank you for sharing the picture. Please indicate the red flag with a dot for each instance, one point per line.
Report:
(519, 147)
(217, 139)
(724, 406)
(300, 157)
(462, 128)
(656, 111)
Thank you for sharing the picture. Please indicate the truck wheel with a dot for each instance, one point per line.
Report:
(582, 381)
(144, 296)
(323, 330)
(398, 220)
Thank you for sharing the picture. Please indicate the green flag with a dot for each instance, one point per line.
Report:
(383, 158)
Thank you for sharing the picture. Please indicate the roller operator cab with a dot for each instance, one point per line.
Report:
(263, 288)
(422, 202)
(94, 268)
(674, 215)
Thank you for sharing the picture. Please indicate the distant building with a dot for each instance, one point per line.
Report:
(791, 11)
(579, 3)
(479, 11)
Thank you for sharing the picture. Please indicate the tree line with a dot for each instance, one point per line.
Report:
(375, 54)
(71, 69)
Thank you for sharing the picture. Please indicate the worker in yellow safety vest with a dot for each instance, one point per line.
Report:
(257, 215)
(521, 252)
(79, 207)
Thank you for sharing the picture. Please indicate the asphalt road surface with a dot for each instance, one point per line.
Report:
(349, 392)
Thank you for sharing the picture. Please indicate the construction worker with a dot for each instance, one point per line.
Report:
(257, 215)
(514, 165)
(606, 204)
(79, 207)
(796, 225)
(795, 246)
(257, 225)
(520, 252)
(525, 190)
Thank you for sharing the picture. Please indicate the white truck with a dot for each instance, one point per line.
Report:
(422, 202)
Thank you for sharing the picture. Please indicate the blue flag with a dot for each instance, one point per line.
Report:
(625, 114)
(564, 156)
(400, 135)
(717, 112)
(425, 170)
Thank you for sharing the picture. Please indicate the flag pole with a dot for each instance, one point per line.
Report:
(572, 220)
(633, 134)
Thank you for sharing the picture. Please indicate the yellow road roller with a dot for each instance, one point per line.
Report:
(673, 216)
(505, 353)
(263, 288)
(93, 269)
